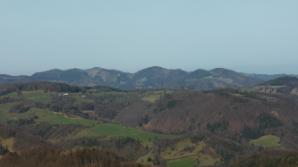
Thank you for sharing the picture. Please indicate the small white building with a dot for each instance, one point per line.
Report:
(65, 94)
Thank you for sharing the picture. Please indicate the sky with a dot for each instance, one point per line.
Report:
(255, 36)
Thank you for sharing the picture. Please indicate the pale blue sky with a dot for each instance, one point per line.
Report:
(258, 36)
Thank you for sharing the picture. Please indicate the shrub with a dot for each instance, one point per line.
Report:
(218, 126)
(268, 121)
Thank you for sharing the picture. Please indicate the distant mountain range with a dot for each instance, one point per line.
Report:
(149, 78)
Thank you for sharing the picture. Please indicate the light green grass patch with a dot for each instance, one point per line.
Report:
(183, 162)
(268, 141)
(152, 97)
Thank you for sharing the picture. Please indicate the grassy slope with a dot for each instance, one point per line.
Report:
(268, 141)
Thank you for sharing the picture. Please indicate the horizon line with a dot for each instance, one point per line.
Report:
(154, 66)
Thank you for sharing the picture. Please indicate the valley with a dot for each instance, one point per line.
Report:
(163, 127)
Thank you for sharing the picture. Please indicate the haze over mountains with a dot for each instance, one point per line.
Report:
(149, 78)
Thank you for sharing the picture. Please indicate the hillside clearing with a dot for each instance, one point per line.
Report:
(268, 141)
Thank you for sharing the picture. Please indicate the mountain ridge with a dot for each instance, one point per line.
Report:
(154, 77)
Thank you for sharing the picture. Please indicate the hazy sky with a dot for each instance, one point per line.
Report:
(258, 36)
